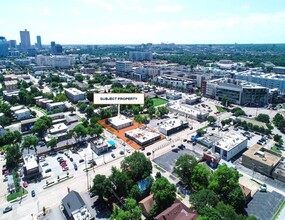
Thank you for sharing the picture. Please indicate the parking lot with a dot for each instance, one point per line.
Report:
(167, 161)
(264, 205)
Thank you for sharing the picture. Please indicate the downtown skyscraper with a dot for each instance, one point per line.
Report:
(25, 40)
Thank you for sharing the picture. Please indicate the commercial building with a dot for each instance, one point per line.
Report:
(11, 85)
(192, 99)
(229, 145)
(43, 102)
(25, 40)
(238, 92)
(56, 105)
(145, 73)
(74, 207)
(279, 171)
(12, 44)
(39, 42)
(173, 95)
(260, 159)
(31, 167)
(74, 95)
(268, 80)
(10, 77)
(124, 66)
(278, 69)
(119, 122)
(189, 111)
(11, 93)
(58, 128)
(22, 114)
(140, 56)
(175, 81)
(100, 146)
(142, 136)
(172, 126)
(27, 125)
(3, 47)
(61, 61)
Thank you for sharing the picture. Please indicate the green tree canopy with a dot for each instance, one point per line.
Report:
(204, 198)
(41, 125)
(211, 119)
(137, 166)
(13, 154)
(164, 193)
(200, 177)
(184, 167)
(60, 98)
(52, 143)
(30, 142)
(121, 182)
(132, 211)
(263, 118)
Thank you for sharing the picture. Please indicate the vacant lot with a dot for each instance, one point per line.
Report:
(159, 101)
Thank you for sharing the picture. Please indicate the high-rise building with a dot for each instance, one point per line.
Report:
(58, 49)
(12, 44)
(39, 42)
(52, 46)
(25, 40)
(3, 47)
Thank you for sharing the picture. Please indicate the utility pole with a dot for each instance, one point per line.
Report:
(86, 173)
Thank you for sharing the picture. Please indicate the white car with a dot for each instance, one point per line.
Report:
(44, 164)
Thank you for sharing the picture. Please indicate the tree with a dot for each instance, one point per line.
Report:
(200, 177)
(226, 211)
(184, 167)
(148, 102)
(202, 198)
(135, 193)
(95, 129)
(13, 154)
(99, 186)
(209, 213)
(52, 143)
(164, 193)
(211, 119)
(278, 138)
(41, 125)
(137, 166)
(4, 121)
(121, 182)
(162, 110)
(236, 199)
(151, 111)
(60, 98)
(132, 211)
(278, 120)
(79, 77)
(238, 112)
(80, 132)
(30, 142)
(225, 101)
(89, 110)
(263, 118)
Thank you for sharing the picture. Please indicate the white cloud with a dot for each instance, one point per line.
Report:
(135, 8)
(169, 8)
(3, 21)
(245, 7)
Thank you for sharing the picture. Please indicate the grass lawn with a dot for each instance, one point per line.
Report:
(279, 210)
(159, 101)
(220, 109)
(276, 150)
(16, 195)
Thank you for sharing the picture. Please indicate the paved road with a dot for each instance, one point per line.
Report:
(51, 197)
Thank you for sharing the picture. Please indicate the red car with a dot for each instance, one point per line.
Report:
(25, 184)
(63, 164)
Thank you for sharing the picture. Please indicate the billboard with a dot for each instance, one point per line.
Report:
(119, 98)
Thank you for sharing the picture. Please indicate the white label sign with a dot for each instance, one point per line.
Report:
(119, 98)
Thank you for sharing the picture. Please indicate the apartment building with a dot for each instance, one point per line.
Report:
(124, 66)
(74, 95)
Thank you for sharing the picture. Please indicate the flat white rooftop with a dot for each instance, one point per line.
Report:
(22, 111)
(61, 127)
(143, 134)
(188, 109)
(74, 91)
(171, 123)
(30, 162)
(230, 141)
(16, 108)
(119, 120)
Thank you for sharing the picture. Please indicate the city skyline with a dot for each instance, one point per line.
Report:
(137, 21)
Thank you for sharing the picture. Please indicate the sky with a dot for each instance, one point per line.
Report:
(145, 21)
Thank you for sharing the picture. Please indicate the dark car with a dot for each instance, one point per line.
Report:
(48, 170)
(75, 166)
(53, 153)
(60, 152)
(33, 193)
(148, 153)
(71, 159)
(91, 194)
(113, 155)
(181, 147)
(7, 209)
(175, 150)
(81, 161)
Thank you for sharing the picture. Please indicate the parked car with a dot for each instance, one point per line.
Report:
(128, 150)
(181, 147)
(75, 166)
(53, 153)
(7, 209)
(263, 188)
(175, 150)
(81, 161)
(5, 179)
(71, 159)
(45, 164)
(91, 194)
(113, 155)
(33, 193)
(48, 170)
(60, 152)
(65, 168)
(25, 184)
(148, 153)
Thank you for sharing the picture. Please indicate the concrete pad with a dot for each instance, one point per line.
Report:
(247, 182)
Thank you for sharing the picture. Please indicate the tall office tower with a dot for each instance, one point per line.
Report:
(12, 44)
(3, 47)
(25, 40)
(58, 49)
(39, 42)
(52, 47)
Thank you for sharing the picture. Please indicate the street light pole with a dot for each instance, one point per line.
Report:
(86, 173)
